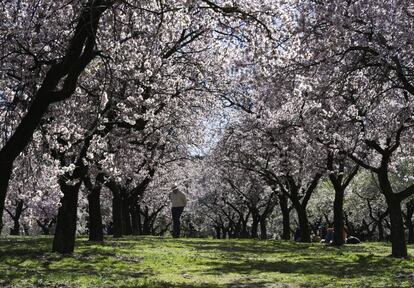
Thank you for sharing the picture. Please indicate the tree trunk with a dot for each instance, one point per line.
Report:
(399, 247)
(409, 220)
(338, 239)
(381, 237)
(255, 226)
(95, 216)
(410, 227)
(303, 224)
(5, 174)
(117, 215)
(16, 218)
(126, 215)
(135, 220)
(244, 232)
(263, 228)
(283, 202)
(218, 230)
(64, 240)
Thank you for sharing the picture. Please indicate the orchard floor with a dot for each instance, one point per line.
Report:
(198, 263)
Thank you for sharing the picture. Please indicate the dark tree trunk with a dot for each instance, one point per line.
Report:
(244, 231)
(95, 216)
(263, 228)
(399, 247)
(117, 215)
(255, 226)
(139, 219)
(283, 202)
(5, 174)
(381, 237)
(217, 229)
(410, 227)
(16, 218)
(16, 228)
(126, 215)
(135, 220)
(409, 220)
(303, 223)
(338, 239)
(64, 240)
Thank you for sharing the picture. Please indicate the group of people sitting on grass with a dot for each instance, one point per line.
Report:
(326, 235)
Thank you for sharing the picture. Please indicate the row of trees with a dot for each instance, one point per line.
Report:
(121, 94)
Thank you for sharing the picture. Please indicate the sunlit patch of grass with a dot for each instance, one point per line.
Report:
(197, 263)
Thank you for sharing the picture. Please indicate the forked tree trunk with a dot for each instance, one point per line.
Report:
(16, 218)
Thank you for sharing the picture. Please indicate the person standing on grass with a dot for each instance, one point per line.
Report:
(178, 202)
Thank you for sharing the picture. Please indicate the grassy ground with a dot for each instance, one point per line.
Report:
(198, 263)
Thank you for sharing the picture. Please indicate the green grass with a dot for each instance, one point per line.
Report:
(198, 263)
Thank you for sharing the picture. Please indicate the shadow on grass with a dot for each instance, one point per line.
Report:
(365, 265)
(30, 258)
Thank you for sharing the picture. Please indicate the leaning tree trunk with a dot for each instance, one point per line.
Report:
(65, 73)
(64, 241)
(95, 215)
(338, 239)
(283, 202)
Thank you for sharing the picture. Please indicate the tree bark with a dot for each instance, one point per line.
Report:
(126, 215)
(381, 237)
(16, 218)
(255, 226)
(135, 220)
(263, 228)
(303, 223)
(95, 216)
(399, 246)
(410, 227)
(117, 218)
(338, 239)
(6, 169)
(64, 240)
(283, 202)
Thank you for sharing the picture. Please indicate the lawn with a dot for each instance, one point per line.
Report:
(197, 263)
